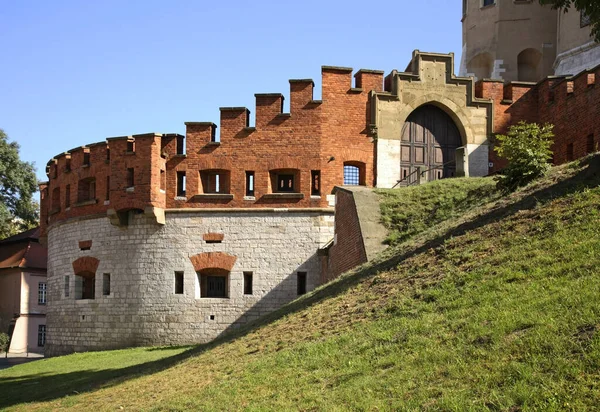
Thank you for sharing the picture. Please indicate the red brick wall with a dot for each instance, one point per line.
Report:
(348, 250)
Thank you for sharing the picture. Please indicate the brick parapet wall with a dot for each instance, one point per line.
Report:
(314, 136)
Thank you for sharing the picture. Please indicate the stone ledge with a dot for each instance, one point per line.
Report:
(212, 196)
(283, 196)
(85, 203)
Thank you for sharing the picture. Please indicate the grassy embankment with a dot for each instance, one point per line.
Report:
(492, 308)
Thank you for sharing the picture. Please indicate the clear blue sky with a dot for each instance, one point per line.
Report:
(75, 72)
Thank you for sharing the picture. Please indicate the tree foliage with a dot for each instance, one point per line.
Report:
(591, 8)
(18, 183)
(526, 146)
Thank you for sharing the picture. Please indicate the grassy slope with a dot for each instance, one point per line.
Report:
(495, 310)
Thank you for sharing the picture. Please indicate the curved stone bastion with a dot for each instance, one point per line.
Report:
(187, 281)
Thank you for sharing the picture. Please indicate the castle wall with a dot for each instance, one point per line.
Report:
(142, 308)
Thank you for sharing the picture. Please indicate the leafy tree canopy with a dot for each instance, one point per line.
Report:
(18, 183)
(591, 8)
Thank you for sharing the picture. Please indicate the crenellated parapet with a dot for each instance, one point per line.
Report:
(287, 159)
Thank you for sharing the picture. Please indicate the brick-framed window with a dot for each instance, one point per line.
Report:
(55, 199)
(130, 177)
(67, 196)
(315, 183)
(41, 335)
(570, 154)
(181, 184)
(354, 173)
(86, 158)
(215, 181)
(42, 287)
(590, 147)
(86, 189)
(249, 183)
(130, 146)
(285, 180)
(85, 285)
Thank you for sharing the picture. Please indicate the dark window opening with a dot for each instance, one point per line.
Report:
(68, 196)
(570, 156)
(301, 283)
(86, 189)
(181, 184)
(488, 2)
(130, 177)
(464, 8)
(56, 199)
(106, 284)
(590, 148)
(214, 283)
(249, 183)
(107, 194)
(66, 286)
(41, 335)
(179, 283)
(215, 181)
(285, 183)
(86, 158)
(54, 171)
(315, 182)
(85, 286)
(42, 293)
(213, 134)
(130, 146)
(180, 145)
(107, 154)
(163, 180)
(351, 175)
(68, 166)
(247, 283)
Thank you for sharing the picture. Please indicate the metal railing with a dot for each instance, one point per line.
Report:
(421, 173)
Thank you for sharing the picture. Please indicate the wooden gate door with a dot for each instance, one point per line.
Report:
(429, 140)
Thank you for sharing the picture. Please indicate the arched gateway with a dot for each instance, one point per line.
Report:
(429, 141)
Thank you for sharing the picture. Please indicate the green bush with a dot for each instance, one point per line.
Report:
(4, 338)
(526, 146)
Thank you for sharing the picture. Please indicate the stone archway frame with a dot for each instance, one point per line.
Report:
(87, 264)
(429, 79)
(213, 260)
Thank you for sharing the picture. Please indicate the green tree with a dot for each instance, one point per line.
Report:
(18, 183)
(526, 146)
(590, 8)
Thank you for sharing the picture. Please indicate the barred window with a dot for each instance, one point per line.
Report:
(42, 293)
(41, 335)
(585, 20)
(351, 175)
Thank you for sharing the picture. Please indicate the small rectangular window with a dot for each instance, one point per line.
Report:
(301, 283)
(68, 166)
(107, 194)
(86, 158)
(42, 293)
(315, 185)
(249, 183)
(181, 184)
(68, 196)
(285, 183)
(584, 20)
(590, 144)
(247, 283)
(67, 286)
(130, 177)
(106, 284)
(130, 146)
(488, 2)
(180, 145)
(570, 152)
(41, 335)
(163, 180)
(179, 283)
(108, 154)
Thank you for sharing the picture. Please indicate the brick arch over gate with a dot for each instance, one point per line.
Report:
(85, 264)
(213, 260)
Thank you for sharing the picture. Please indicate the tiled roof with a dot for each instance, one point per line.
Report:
(23, 251)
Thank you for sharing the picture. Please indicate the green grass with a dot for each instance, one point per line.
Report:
(409, 211)
(496, 309)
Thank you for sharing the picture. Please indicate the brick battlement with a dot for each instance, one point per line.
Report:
(242, 169)
(570, 103)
